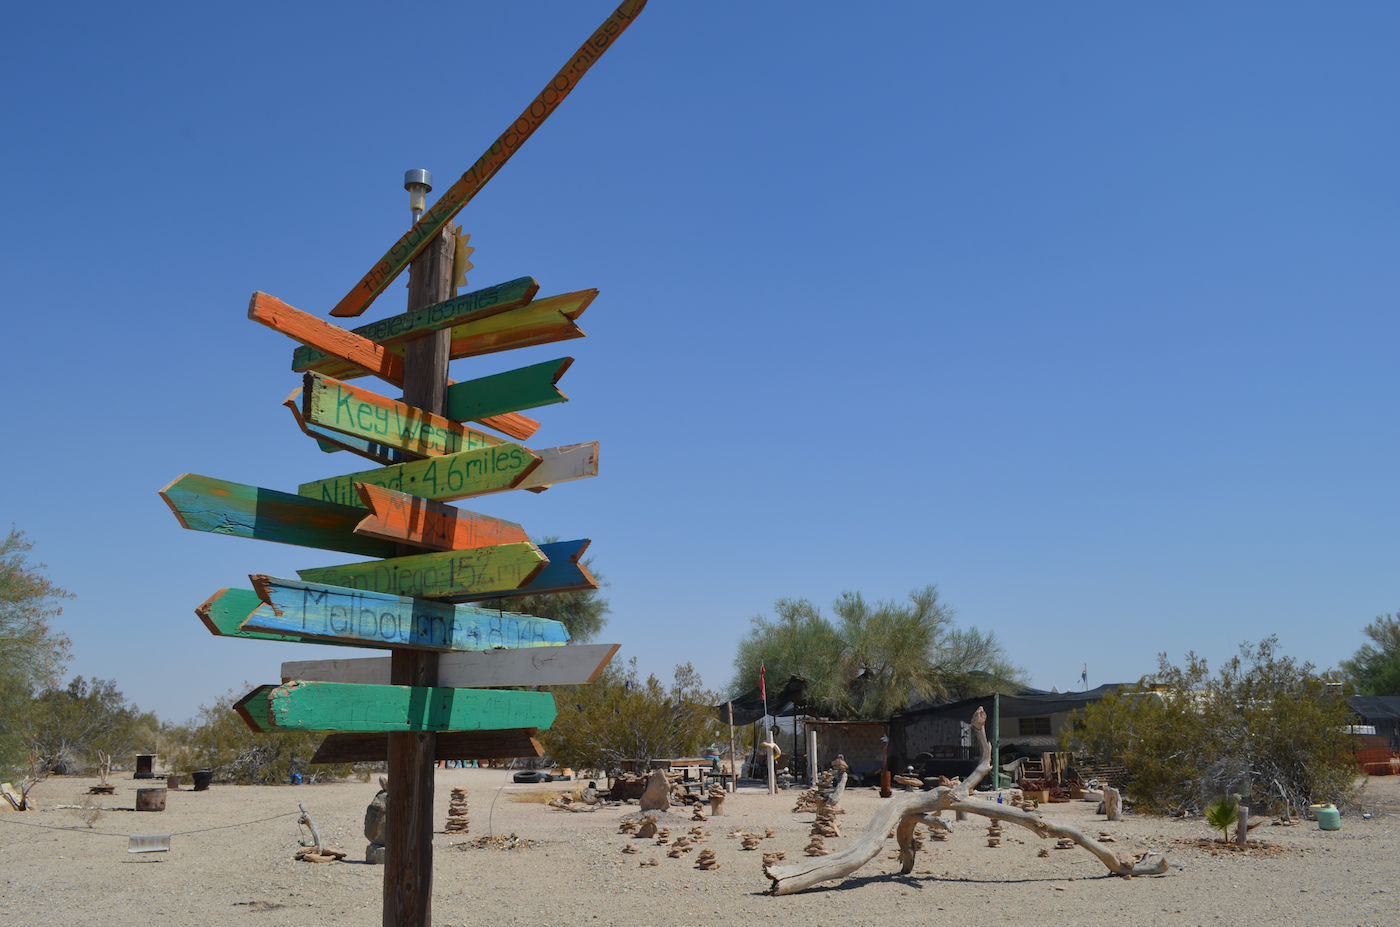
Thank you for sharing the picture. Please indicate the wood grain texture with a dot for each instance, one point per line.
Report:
(333, 615)
(470, 183)
(202, 503)
(514, 424)
(543, 321)
(482, 571)
(331, 441)
(564, 573)
(562, 464)
(396, 329)
(327, 338)
(508, 744)
(356, 411)
(525, 388)
(576, 664)
(397, 516)
(458, 476)
(335, 706)
(224, 612)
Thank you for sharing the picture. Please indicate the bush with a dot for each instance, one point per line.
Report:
(619, 717)
(1265, 727)
(221, 742)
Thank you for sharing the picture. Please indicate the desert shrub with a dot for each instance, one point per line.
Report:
(1265, 727)
(70, 727)
(619, 716)
(218, 740)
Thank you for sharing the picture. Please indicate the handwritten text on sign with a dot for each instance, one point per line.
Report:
(314, 610)
(455, 572)
(364, 414)
(457, 476)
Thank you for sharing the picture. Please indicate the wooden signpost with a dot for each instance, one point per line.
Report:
(435, 695)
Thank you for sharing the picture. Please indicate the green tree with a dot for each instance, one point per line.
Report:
(619, 716)
(32, 653)
(1375, 669)
(583, 612)
(218, 740)
(1264, 727)
(877, 658)
(70, 726)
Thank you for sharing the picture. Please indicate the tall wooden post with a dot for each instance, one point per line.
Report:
(408, 856)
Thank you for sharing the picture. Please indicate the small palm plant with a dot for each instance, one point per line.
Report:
(1222, 813)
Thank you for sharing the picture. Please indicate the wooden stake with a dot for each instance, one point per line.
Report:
(408, 856)
(733, 775)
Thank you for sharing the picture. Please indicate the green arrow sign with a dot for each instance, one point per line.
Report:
(340, 706)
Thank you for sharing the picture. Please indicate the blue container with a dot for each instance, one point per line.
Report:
(1329, 818)
(296, 778)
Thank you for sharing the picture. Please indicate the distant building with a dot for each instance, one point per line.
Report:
(937, 739)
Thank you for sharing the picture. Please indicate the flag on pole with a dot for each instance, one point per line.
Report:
(1084, 677)
(762, 692)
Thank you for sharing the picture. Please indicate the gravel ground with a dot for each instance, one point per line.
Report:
(576, 873)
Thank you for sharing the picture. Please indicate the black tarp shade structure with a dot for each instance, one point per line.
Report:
(748, 707)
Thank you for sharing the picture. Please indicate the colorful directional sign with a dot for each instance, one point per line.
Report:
(460, 193)
(457, 476)
(334, 614)
(449, 745)
(421, 562)
(337, 706)
(542, 321)
(355, 411)
(481, 571)
(399, 329)
(327, 339)
(397, 516)
(332, 441)
(202, 503)
(526, 388)
(564, 573)
(577, 664)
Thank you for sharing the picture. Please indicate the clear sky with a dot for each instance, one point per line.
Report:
(1086, 313)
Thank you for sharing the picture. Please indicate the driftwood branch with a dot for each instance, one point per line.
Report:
(913, 808)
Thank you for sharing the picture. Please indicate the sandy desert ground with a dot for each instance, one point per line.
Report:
(577, 874)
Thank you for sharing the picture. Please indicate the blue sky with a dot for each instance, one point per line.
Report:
(1084, 312)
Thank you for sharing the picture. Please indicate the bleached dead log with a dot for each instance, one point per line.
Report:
(913, 808)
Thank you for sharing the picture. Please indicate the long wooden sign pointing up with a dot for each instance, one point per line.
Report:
(333, 614)
(397, 516)
(461, 192)
(479, 571)
(576, 664)
(334, 706)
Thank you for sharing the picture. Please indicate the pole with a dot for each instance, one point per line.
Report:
(811, 755)
(733, 777)
(996, 740)
(408, 855)
(772, 772)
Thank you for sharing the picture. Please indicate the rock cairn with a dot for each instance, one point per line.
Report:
(817, 847)
(994, 834)
(458, 817)
(706, 860)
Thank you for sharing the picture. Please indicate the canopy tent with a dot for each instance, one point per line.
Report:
(748, 707)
